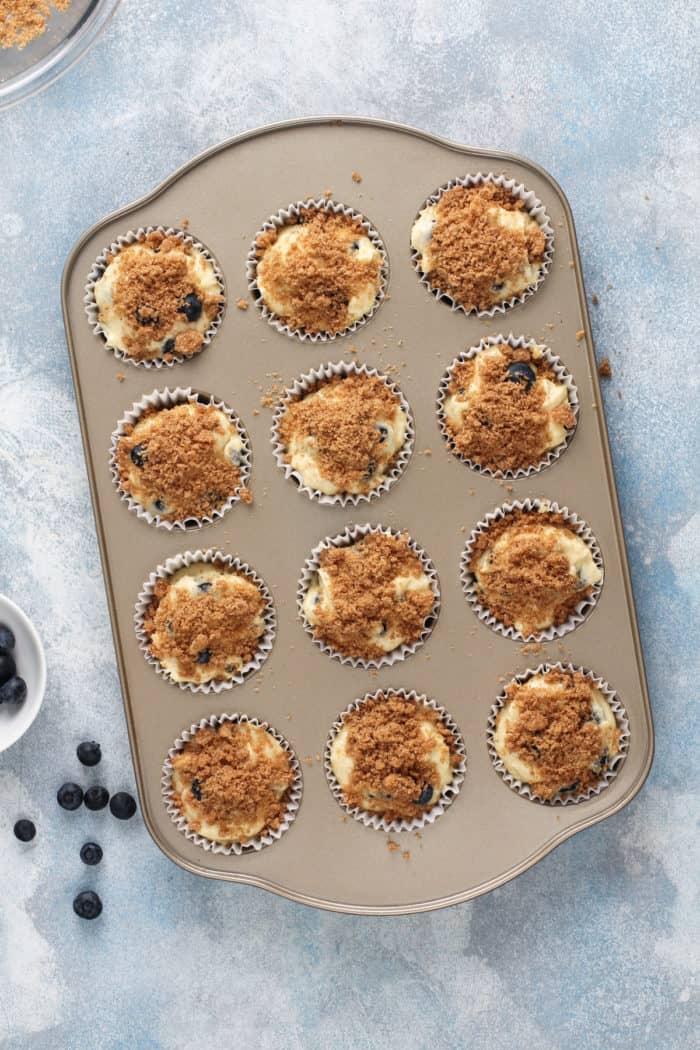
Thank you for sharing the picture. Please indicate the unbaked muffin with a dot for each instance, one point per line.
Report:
(505, 408)
(531, 570)
(320, 273)
(479, 245)
(204, 623)
(157, 297)
(369, 598)
(345, 435)
(393, 756)
(231, 782)
(556, 732)
(182, 462)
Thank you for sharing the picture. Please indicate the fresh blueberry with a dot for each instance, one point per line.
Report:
(14, 691)
(24, 830)
(383, 431)
(145, 317)
(89, 752)
(204, 656)
(87, 905)
(122, 805)
(96, 797)
(521, 372)
(7, 666)
(7, 638)
(204, 586)
(191, 307)
(91, 853)
(196, 789)
(138, 455)
(70, 796)
(425, 796)
(168, 346)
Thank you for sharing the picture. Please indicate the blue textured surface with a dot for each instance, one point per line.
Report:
(598, 944)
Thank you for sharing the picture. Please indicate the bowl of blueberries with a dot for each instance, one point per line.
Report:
(22, 673)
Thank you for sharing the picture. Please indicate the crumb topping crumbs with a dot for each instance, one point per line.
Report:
(350, 449)
(234, 776)
(364, 600)
(393, 756)
(176, 457)
(320, 273)
(472, 255)
(554, 731)
(22, 21)
(218, 628)
(528, 581)
(605, 369)
(505, 422)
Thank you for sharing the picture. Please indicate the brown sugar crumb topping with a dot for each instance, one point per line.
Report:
(22, 21)
(177, 461)
(506, 426)
(151, 291)
(228, 787)
(556, 734)
(470, 255)
(223, 622)
(605, 369)
(392, 756)
(319, 274)
(530, 578)
(347, 441)
(364, 599)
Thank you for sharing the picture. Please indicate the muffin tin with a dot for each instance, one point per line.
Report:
(489, 834)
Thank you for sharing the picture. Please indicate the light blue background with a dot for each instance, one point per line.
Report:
(595, 946)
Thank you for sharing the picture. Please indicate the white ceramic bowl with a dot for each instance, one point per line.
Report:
(15, 720)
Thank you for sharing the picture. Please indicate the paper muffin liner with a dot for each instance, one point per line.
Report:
(577, 526)
(607, 777)
(281, 219)
(253, 845)
(563, 376)
(307, 384)
(100, 265)
(210, 557)
(534, 208)
(168, 399)
(376, 820)
(345, 539)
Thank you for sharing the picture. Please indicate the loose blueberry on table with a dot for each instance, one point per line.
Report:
(96, 797)
(70, 796)
(122, 805)
(91, 853)
(25, 830)
(89, 752)
(87, 905)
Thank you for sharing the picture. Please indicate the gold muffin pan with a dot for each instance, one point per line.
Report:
(489, 833)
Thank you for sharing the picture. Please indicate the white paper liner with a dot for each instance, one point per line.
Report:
(584, 606)
(563, 376)
(235, 848)
(281, 219)
(171, 566)
(167, 399)
(100, 265)
(533, 206)
(345, 539)
(308, 382)
(376, 820)
(614, 766)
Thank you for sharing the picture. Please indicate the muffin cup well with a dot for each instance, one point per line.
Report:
(100, 265)
(308, 383)
(345, 539)
(376, 820)
(534, 208)
(517, 343)
(210, 557)
(168, 399)
(576, 525)
(252, 845)
(610, 773)
(281, 219)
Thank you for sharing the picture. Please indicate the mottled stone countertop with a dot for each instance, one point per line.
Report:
(598, 944)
